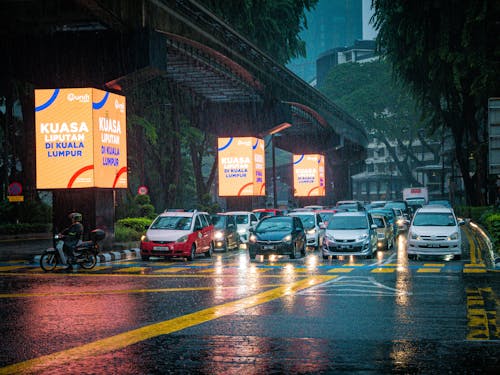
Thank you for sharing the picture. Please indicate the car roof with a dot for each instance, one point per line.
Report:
(239, 212)
(182, 213)
(350, 213)
(297, 213)
(435, 208)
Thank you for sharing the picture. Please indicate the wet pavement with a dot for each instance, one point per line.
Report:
(230, 315)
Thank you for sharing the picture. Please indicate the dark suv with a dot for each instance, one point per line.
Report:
(225, 232)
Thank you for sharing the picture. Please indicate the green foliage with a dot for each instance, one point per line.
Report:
(147, 210)
(131, 229)
(273, 25)
(25, 212)
(473, 213)
(142, 199)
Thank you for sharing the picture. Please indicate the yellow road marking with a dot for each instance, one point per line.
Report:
(89, 274)
(433, 264)
(383, 270)
(429, 270)
(475, 270)
(124, 291)
(341, 270)
(125, 339)
(132, 269)
(172, 269)
(474, 265)
(11, 268)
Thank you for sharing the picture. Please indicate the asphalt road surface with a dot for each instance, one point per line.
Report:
(228, 315)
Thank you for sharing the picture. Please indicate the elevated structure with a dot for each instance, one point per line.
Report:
(236, 88)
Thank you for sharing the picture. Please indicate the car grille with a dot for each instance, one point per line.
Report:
(162, 242)
(345, 248)
(434, 238)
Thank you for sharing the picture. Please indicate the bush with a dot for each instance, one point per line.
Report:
(131, 229)
(24, 228)
(492, 225)
(474, 213)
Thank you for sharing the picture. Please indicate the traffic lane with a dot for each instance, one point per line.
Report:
(394, 323)
(142, 332)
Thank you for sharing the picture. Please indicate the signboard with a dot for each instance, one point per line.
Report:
(241, 166)
(494, 136)
(309, 175)
(81, 139)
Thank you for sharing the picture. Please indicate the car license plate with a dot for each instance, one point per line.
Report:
(434, 245)
(345, 246)
(161, 248)
(268, 247)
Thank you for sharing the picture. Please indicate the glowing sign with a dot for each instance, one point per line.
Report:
(309, 175)
(81, 139)
(241, 166)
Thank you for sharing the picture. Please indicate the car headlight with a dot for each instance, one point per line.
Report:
(453, 236)
(363, 237)
(144, 238)
(400, 222)
(219, 235)
(415, 236)
(329, 237)
(311, 231)
(252, 238)
(287, 238)
(182, 239)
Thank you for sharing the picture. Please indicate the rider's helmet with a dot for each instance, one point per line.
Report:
(75, 216)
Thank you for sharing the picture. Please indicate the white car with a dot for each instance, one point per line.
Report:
(313, 226)
(244, 221)
(434, 230)
(350, 233)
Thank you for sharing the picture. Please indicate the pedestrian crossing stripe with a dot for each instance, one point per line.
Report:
(429, 269)
(11, 268)
(434, 264)
(340, 270)
(384, 270)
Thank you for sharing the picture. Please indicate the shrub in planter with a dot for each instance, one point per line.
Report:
(131, 229)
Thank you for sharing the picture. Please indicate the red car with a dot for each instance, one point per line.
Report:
(264, 212)
(179, 234)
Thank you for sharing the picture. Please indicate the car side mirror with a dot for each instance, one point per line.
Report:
(461, 222)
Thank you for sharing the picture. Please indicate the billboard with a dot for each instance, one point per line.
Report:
(309, 175)
(241, 166)
(81, 139)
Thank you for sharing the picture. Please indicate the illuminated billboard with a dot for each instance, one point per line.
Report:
(241, 166)
(81, 139)
(309, 175)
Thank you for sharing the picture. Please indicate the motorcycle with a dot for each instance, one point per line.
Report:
(85, 253)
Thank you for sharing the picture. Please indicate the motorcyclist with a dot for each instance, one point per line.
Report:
(72, 235)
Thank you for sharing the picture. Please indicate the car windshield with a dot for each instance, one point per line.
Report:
(172, 222)
(348, 206)
(395, 205)
(431, 219)
(241, 219)
(379, 221)
(307, 220)
(348, 222)
(389, 213)
(274, 224)
(219, 221)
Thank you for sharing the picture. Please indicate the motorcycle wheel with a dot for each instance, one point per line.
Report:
(48, 262)
(88, 261)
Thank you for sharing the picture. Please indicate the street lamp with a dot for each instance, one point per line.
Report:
(274, 132)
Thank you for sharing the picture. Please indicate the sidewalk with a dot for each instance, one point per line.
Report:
(30, 247)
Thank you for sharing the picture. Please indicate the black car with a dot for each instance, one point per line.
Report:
(225, 232)
(278, 235)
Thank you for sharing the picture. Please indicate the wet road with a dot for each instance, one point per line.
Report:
(229, 315)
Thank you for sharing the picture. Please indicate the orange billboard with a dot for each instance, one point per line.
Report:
(309, 175)
(81, 139)
(241, 166)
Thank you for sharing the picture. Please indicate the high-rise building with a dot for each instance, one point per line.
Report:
(332, 24)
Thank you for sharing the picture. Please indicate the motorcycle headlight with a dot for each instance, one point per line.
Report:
(453, 236)
(287, 238)
(219, 235)
(182, 239)
(252, 238)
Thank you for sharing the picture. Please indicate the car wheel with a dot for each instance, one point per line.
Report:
(252, 255)
(192, 254)
(412, 257)
(293, 254)
(208, 253)
(457, 257)
(303, 250)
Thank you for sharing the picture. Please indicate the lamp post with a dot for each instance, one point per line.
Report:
(275, 190)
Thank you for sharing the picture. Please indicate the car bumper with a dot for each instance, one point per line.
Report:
(171, 249)
(434, 248)
(274, 248)
(339, 249)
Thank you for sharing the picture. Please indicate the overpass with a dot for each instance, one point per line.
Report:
(117, 45)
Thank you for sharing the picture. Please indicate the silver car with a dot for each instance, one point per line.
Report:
(350, 233)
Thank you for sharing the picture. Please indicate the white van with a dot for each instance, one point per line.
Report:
(434, 230)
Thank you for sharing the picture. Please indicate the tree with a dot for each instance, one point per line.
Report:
(446, 51)
(273, 25)
(370, 94)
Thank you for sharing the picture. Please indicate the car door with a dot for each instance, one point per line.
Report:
(206, 231)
